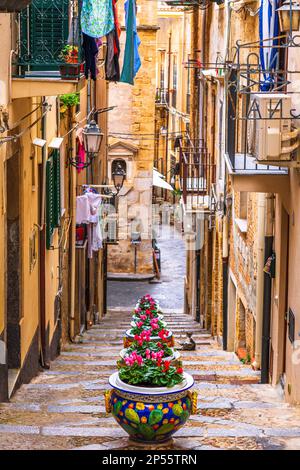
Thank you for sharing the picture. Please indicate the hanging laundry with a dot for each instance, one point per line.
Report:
(87, 212)
(94, 228)
(97, 17)
(80, 152)
(132, 61)
(90, 49)
(112, 67)
(83, 211)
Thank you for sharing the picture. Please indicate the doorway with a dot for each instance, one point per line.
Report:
(231, 314)
(13, 267)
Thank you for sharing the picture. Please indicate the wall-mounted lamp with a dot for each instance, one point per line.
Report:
(289, 15)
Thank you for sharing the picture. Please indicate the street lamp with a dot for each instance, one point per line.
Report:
(289, 15)
(92, 138)
(118, 176)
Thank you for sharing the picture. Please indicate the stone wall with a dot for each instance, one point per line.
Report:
(134, 120)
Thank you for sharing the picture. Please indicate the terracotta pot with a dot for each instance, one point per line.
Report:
(151, 414)
(69, 71)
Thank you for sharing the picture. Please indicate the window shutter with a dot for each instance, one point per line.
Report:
(56, 189)
(53, 196)
(49, 202)
(44, 32)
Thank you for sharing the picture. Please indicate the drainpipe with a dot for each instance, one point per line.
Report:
(265, 351)
(225, 253)
(261, 203)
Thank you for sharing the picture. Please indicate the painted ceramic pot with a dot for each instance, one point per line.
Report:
(151, 414)
(175, 358)
(129, 338)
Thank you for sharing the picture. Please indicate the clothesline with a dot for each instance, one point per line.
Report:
(99, 20)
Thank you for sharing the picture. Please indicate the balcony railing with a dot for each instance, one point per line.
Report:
(197, 175)
(257, 108)
(162, 96)
(11, 6)
(49, 42)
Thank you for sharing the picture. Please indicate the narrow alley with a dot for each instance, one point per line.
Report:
(63, 408)
(149, 227)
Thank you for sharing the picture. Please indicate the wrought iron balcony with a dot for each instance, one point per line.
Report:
(11, 6)
(49, 43)
(197, 175)
(162, 97)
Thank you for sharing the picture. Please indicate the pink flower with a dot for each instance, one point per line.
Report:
(134, 358)
(143, 317)
(163, 334)
(139, 324)
(147, 352)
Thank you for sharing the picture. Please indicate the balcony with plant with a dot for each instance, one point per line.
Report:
(49, 41)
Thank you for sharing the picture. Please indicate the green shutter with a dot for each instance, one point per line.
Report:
(57, 195)
(53, 196)
(44, 32)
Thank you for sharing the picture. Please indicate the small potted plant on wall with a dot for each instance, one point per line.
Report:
(70, 69)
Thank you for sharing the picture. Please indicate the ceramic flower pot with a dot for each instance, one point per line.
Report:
(129, 338)
(151, 414)
(174, 359)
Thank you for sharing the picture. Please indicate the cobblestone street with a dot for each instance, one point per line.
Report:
(63, 408)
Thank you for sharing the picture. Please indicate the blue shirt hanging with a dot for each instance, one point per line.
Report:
(132, 61)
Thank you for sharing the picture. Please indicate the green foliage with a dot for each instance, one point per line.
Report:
(152, 345)
(149, 373)
(177, 192)
(68, 101)
(147, 326)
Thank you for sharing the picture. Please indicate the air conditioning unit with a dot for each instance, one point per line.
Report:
(270, 134)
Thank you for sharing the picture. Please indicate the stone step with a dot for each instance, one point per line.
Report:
(112, 432)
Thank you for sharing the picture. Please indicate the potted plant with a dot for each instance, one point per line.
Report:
(160, 334)
(151, 395)
(70, 69)
(149, 349)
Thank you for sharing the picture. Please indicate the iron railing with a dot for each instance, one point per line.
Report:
(49, 42)
(162, 96)
(197, 174)
(245, 77)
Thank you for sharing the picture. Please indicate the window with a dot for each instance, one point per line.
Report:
(53, 196)
(175, 78)
(44, 32)
(118, 162)
(188, 89)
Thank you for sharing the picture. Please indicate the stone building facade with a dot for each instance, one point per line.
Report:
(131, 139)
(235, 287)
(40, 283)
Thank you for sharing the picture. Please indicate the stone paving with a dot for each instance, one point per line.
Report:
(63, 408)
(171, 288)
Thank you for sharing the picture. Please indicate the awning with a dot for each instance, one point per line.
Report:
(160, 182)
